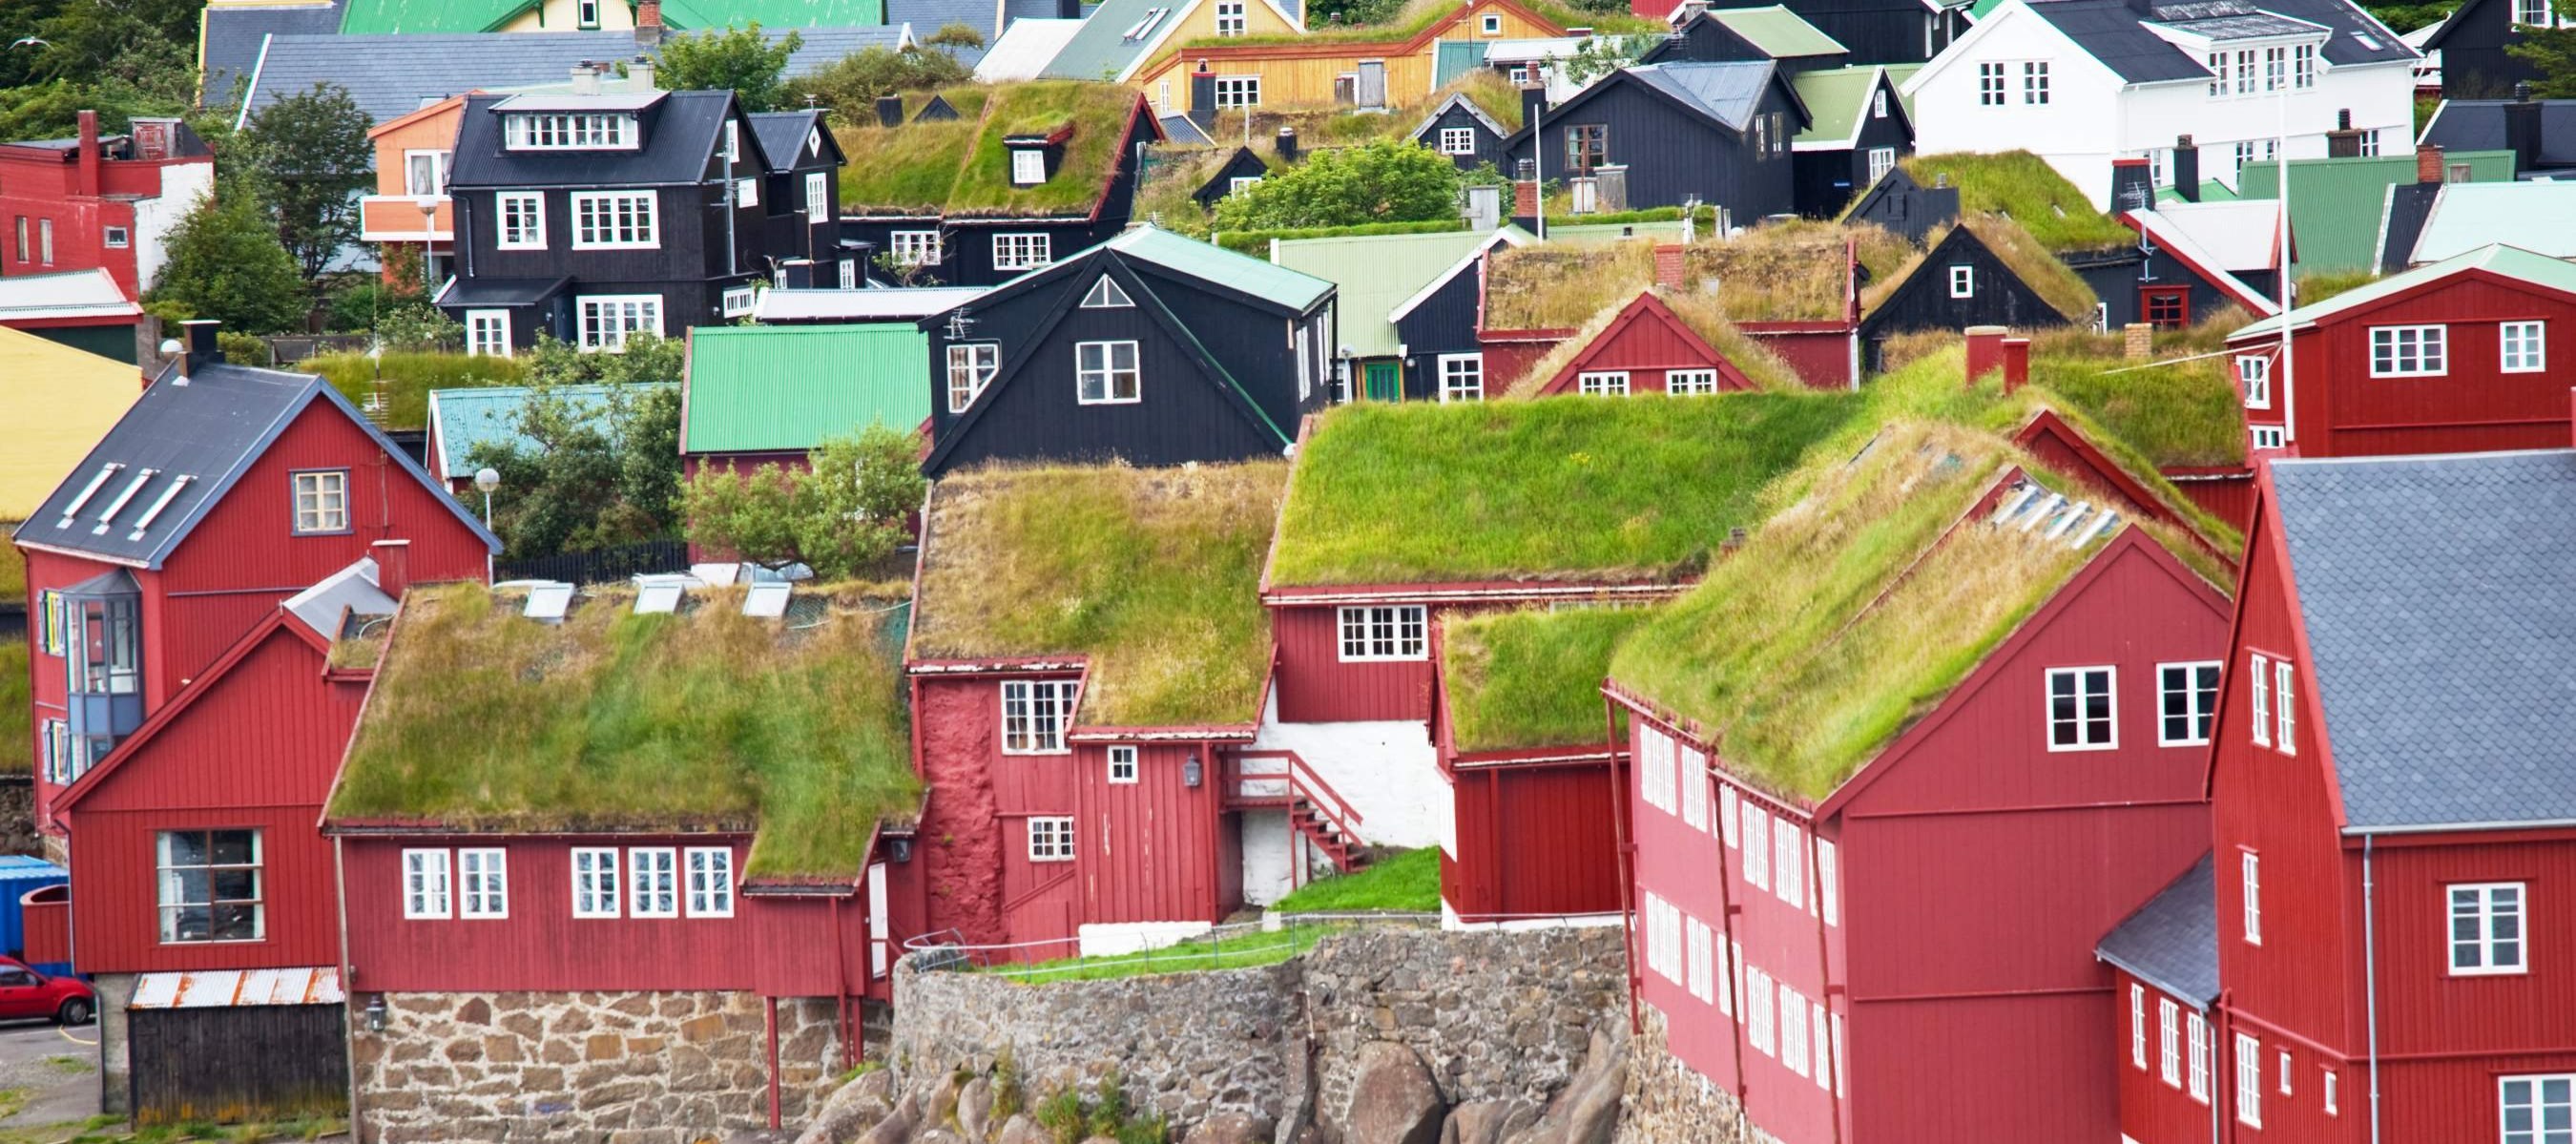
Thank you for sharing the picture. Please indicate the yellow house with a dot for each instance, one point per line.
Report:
(1363, 67)
(58, 402)
(1121, 36)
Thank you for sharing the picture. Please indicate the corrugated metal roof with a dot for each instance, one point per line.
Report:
(70, 294)
(785, 388)
(2511, 262)
(2539, 217)
(58, 401)
(2172, 941)
(2335, 204)
(1727, 92)
(1454, 58)
(865, 305)
(2478, 125)
(1779, 32)
(1835, 99)
(1103, 47)
(1375, 274)
(461, 419)
(226, 988)
(1237, 272)
(1025, 49)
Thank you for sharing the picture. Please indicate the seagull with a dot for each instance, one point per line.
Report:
(24, 41)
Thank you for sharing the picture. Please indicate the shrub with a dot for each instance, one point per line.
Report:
(1388, 180)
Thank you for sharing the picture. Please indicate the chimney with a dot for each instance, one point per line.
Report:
(1985, 351)
(2016, 363)
(889, 111)
(393, 566)
(1533, 103)
(2138, 341)
(799, 273)
(89, 156)
(648, 23)
(202, 350)
(585, 78)
(639, 73)
(2343, 142)
(2428, 163)
(2522, 128)
(2133, 185)
(1670, 266)
(1287, 143)
(1203, 98)
(2186, 168)
(1524, 200)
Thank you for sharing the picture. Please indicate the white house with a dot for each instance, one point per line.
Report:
(2083, 82)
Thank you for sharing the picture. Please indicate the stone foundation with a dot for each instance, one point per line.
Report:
(596, 1068)
(1667, 1101)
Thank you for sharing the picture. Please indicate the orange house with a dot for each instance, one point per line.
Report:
(410, 208)
(1361, 67)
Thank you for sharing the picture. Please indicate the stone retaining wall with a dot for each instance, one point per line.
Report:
(1667, 1101)
(618, 1068)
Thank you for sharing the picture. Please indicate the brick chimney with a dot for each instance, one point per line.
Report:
(1524, 199)
(2016, 363)
(1985, 351)
(2138, 341)
(648, 23)
(2428, 163)
(89, 156)
(1670, 266)
(2343, 142)
(393, 566)
(2186, 168)
(585, 78)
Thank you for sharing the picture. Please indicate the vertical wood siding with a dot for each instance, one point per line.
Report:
(2342, 411)
(1532, 840)
(1671, 154)
(1315, 686)
(2151, 1111)
(1822, 358)
(1148, 849)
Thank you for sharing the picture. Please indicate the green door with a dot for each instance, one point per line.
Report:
(1383, 381)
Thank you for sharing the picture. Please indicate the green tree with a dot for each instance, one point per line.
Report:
(647, 358)
(849, 86)
(2553, 52)
(737, 59)
(593, 471)
(837, 517)
(1389, 180)
(225, 263)
(310, 156)
(1601, 55)
(955, 35)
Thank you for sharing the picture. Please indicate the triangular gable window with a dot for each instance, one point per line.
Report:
(1105, 295)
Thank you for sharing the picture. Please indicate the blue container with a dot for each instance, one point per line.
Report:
(18, 875)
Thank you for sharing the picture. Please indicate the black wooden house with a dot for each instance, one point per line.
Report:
(593, 216)
(1464, 132)
(1150, 348)
(803, 199)
(1984, 272)
(1858, 132)
(1906, 207)
(1660, 135)
(2473, 39)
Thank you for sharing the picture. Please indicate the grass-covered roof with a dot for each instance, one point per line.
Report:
(1703, 314)
(1530, 678)
(703, 720)
(2056, 283)
(1640, 489)
(2024, 187)
(1418, 16)
(1793, 271)
(959, 166)
(1152, 574)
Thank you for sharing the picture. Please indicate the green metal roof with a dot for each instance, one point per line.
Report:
(2509, 261)
(2335, 204)
(1239, 272)
(1376, 274)
(1776, 30)
(1101, 50)
(1897, 74)
(756, 389)
(461, 419)
(2211, 191)
(1614, 231)
(377, 17)
(371, 17)
(1836, 98)
(1456, 58)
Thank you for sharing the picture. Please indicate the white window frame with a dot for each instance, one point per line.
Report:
(2250, 881)
(1702, 968)
(1729, 809)
(1757, 1004)
(733, 141)
(707, 881)
(1829, 891)
(2524, 10)
(2531, 356)
(1492, 25)
(1793, 1030)
(2200, 704)
(602, 320)
(1364, 635)
(321, 501)
(653, 881)
(1878, 104)
(597, 884)
(116, 237)
(1963, 281)
(2138, 1026)
(1051, 838)
(569, 131)
(1881, 159)
(1757, 846)
(1106, 294)
(1457, 140)
(1123, 765)
(2268, 436)
(611, 223)
(428, 891)
(2303, 69)
(1238, 91)
(1229, 17)
(1045, 713)
(1820, 1038)
(737, 301)
(2170, 1052)
(525, 233)
(818, 195)
(2254, 373)
(487, 333)
(2538, 1106)
(2034, 82)
(2410, 351)
(849, 273)
(2485, 912)
(1691, 773)
(2110, 675)
(2283, 1056)
(586, 17)
(2285, 707)
(1789, 863)
(971, 367)
(1462, 377)
(746, 193)
(1023, 251)
(1028, 166)
(1991, 84)
(2259, 677)
(1107, 373)
(483, 883)
(2249, 1081)
(1603, 383)
(2331, 1086)
(914, 247)
(2197, 1028)
(1690, 382)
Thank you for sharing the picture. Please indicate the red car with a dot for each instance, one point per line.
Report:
(25, 993)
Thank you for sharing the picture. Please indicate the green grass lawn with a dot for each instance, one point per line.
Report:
(408, 378)
(1406, 881)
(1235, 950)
(13, 566)
(2024, 186)
(15, 748)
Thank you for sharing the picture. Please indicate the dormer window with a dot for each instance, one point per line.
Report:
(1493, 24)
(1028, 167)
(570, 131)
(586, 13)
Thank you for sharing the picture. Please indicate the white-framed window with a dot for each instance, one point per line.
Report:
(1703, 962)
(483, 883)
(1106, 294)
(424, 173)
(594, 882)
(1793, 1030)
(1610, 383)
(615, 220)
(2409, 351)
(2245, 72)
(321, 501)
(710, 872)
(1518, 76)
(2521, 347)
(2303, 66)
(849, 274)
(1822, 1041)
(971, 367)
(2268, 436)
(2284, 1058)
(1757, 846)
(2138, 1026)
(1105, 373)
(737, 301)
(1654, 760)
(1878, 104)
(568, 131)
(607, 319)
(2254, 372)
(523, 220)
(1229, 17)
(1963, 281)
(2249, 1081)
(1462, 377)
(653, 882)
(2532, 13)
(1990, 85)
(2276, 68)
(1035, 713)
(1051, 839)
(2201, 1050)
(818, 195)
(2034, 81)
(2285, 708)
(1238, 91)
(1829, 891)
(1690, 382)
(2082, 709)
(2536, 1109)
(2259, 677)
(1022, 251)
(732, 141)
(1729, 809)
(1238, 184)
(2186, 703)
(914, 247)
(1028, 167)
(425, 885)
(1693, 776)
(2218, 73)
(1881, 159)
(1789, 864)
(2487, 931)
(210, 886)
(2250, 865)
(1733, 985)
(2333, 1081)
(2171, 1054)
(746, 192)
(1757, 1009)
(1122, 766)
(1493, 25)
(1720, 983)
(2370, 144)
(1384, 631)
(1650, 920)
(1670, 947)
(1457, 140)
(586, 14)
(487, 333)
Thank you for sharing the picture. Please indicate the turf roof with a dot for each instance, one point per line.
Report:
(1530, 678)
(1702, 314)
(704, 720)
(1418, 16)
(1152, 574)
(2023, 186)
(960, 167)
(2056, 283)
(1602, 491)
(1790, 271)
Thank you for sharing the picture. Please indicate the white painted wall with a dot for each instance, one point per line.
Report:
(1449, 921)
(1265, 856)
(1136, 937)
(183, 185)
(1388, 770)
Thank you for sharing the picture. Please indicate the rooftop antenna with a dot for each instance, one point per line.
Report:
(959, 323)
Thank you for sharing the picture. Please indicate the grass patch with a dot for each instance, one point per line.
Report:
(1530, 678)
(13, 567)
(1257, 242)
(1405, 881)
(408, 378)
(1702, 314)
(1417, 16)
(2025, 188)
(961, 167)
(1198, 955)
(1173, 176)
(70, 1065)
(1792, 271)
(612, 721)
(16, 747)
(2184, 413)
(2315, 286)
(1154, 574)
(1635, 489)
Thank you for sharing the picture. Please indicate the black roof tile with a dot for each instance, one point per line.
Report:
(2172, 941)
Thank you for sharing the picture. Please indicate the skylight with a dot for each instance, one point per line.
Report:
(87, 491)
(118, 505)
(2029, 508)
(653, 598)
(548, 602)
(1145, 27)
(2365, 40)
(766, 600)
(153, 513)
(1105, 294)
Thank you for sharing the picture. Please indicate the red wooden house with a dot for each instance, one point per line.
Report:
(2382, 948)
(1806, 313)
(1646, 346)
(104, 202)
(1087, 663)
(2451, 357)
(1896, 765)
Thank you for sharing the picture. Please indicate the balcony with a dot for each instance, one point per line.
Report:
(397, 218)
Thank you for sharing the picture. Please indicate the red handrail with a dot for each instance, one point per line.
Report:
(1309, 786)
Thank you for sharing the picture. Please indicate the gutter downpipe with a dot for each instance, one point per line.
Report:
(340, 896)
(772, 1022)
(2217, 1119)
(1619, 835)
(2370, 979)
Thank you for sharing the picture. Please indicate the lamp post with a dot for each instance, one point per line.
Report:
(487, 479)
(428, 205)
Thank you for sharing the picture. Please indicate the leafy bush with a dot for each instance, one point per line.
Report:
(242, 349)
(1388, 180)
(841, 514)
(737, 59)
(592, 472)
(405, 379)
(850, 85)
(226, 263)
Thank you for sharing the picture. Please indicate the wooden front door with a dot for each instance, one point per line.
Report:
(1372, 84)
(1384, 381)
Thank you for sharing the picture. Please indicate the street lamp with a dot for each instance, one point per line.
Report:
(428, 205)
(487, 479)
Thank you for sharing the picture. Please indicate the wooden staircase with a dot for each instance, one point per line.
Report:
(1280, 780)
(1348, 852)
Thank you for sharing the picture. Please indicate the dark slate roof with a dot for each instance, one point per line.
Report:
(680, 131)
(231, 39)
(395, 75)
(188, 443)
(1183, 129)
(2172, 941)
(2352, 27)
(2478, 125)
(2242, 26)
(2410, 206)
(500, 291)
(2442, 633)
(1726, 92)
(2110, 31)
(782, 135)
